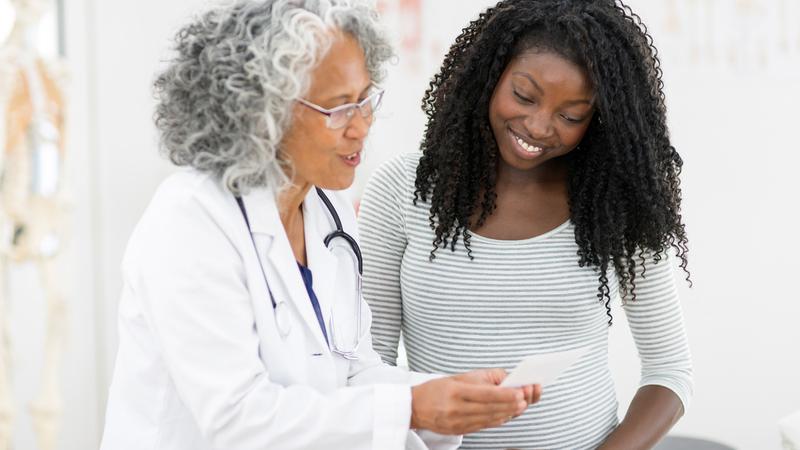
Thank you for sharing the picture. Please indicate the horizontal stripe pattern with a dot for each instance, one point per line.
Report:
(516, 298)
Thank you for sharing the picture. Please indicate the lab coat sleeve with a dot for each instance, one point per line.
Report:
(190, 281)
(369, 368)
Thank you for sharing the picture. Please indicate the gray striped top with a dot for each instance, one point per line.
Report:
(516, 298)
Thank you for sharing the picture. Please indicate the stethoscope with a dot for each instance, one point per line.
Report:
(343, 342)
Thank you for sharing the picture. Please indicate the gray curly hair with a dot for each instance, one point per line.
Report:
(225, 101)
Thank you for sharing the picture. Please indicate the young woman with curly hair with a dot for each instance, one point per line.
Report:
(546, 182)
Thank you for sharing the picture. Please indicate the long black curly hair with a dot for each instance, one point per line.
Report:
(623, 181)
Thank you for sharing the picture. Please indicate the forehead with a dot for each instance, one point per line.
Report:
(550, 70)
(343, 67)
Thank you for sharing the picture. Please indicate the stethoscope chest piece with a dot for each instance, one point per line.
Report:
(282, 320)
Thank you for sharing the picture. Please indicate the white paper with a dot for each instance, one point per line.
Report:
(790, 431)
(542, 369)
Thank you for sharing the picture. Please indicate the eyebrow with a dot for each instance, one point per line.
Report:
(539, 88)
(346, 97)
(530, 78)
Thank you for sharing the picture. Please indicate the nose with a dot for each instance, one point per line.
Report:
(358, 128)
(539, 125)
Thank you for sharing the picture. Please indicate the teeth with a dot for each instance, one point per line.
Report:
(528, 148)
(351, 157)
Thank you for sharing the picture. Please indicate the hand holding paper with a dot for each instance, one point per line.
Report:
(542, 369)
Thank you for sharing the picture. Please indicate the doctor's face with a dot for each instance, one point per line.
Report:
(320, 155)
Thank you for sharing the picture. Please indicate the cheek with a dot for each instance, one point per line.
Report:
(309, 149)
(502, 109)
(321, 162)
(572, 136)
(500, 114)
(573, 139)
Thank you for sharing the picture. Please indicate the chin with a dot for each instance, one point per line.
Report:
(337, 184)
(510, 159)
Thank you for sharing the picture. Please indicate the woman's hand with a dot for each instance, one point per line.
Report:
(532, 393)
(469, 402)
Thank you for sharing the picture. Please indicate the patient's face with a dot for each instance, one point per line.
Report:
(540, 109)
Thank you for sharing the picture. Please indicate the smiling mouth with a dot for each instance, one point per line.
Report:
(529, 148)
(352, 159)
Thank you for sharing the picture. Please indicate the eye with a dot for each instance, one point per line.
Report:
(522, 98)
(571, 119)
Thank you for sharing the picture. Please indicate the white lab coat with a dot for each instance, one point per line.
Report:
(201, 365)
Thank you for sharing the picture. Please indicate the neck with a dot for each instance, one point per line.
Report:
(549, 173)
(290, 203)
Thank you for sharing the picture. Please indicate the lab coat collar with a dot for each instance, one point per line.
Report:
(262, 212)
(322, 263)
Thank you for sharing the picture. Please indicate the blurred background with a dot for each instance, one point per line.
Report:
(732, 76)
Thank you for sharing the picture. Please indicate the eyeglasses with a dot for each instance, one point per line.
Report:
(340, 116)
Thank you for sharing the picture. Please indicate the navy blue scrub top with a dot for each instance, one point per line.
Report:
(308, 281)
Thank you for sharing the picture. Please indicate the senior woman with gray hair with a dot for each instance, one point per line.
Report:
(241, 321)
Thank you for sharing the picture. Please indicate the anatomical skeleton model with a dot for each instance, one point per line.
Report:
(32, 209)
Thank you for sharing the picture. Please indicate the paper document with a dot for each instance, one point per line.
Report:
(542, 369)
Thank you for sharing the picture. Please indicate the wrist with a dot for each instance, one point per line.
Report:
(414, 421)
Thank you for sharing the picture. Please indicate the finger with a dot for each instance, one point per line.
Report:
(490, 409)
(489, 394)
(483, 376)
(496, 375)
(528, 393)
(537, 393)
(472, 425)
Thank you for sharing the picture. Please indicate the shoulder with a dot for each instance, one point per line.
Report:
(186, 189)
(396, 176)
(403, 166)
(188, 202)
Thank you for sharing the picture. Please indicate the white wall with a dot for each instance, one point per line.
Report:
(732, 123)
(114, 49)
(742, 311)
(127, 42)
(736, 133)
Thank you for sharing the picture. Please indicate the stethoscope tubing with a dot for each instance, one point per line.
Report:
(339, 232)
(282, 323)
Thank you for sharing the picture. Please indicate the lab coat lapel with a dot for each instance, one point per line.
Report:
(264, 219)
(322, 263)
